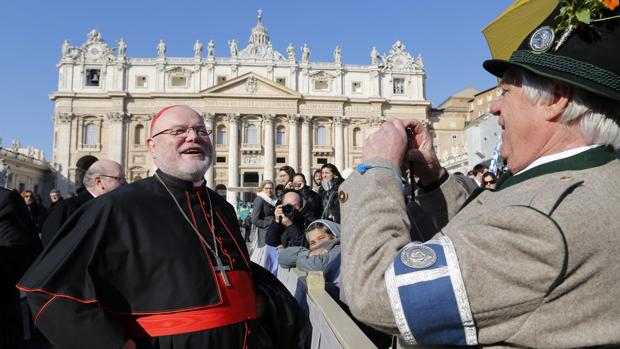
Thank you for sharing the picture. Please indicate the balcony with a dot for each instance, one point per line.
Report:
(322, 150)
(247, 148)
(89, 147)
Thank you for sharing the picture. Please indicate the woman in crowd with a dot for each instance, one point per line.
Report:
(330, 183)
(263, 209)
(285, 176)
(489, 180)
(324, 248)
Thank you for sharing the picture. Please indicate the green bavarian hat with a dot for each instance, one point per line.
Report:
(570, 45)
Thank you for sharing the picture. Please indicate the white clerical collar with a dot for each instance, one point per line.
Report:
(553, 157)
(198, 183)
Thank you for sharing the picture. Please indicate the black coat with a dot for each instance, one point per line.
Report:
(331, 205)
(38, 214)
(312, 207)
(60, 213)
(293, 235)
(19, 246)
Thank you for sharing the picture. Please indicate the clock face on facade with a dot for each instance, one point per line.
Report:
(398, 61)
(95, 50)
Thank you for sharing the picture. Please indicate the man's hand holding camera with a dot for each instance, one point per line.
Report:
(390, 143)
(284, 214)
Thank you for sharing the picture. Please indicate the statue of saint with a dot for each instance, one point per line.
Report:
(161, 49)
(269, 53)
(122, 47)
(374, 56)
(197, 48)
(233, 48)
(65, 48)
(291, 53)
(210, 49)
(337, 54)
(94, 36)
(305, 54)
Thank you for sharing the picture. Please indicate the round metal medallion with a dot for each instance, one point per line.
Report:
(542, 39)
(418, 256)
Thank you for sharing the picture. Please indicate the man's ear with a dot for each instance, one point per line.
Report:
(151, 144)
(561, 98)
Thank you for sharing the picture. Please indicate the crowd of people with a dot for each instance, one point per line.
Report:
(492, 258)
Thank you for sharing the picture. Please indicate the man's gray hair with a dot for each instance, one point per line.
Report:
(54, 191)
(598, 117)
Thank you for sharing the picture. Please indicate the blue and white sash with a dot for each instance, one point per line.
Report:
(428, 296)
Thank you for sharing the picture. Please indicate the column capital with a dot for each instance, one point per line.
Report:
(233, 117)
(64, 117)
(207, 117)
(268, 118)
(293, 118)
(117, 117)
(306, 119)
(338, 120)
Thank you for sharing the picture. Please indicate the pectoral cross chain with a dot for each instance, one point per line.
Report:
(221, 268)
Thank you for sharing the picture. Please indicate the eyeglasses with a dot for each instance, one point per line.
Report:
(120, 179)
(181, 132)
(488, 182)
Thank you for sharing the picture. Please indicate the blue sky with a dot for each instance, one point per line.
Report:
(446, 33)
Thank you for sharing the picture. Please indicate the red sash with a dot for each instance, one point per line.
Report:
(238, 305)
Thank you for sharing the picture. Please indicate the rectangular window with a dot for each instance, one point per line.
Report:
(281, 160)
(141, 81)
(321, 161)
(221, 79)
(178, 81)
(220, 159)
(281, 81)
(321, 85)
(36, 189)
(356, 87)
(92, 77)
(399, 86)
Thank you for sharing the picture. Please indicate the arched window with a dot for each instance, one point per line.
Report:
(357, 137)
(280, 134)
(321, 135)
(90, 133)
(250, 134)
(138, 134)
(221, 135)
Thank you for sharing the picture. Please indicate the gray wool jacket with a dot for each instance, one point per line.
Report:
(297, 256)
(538, 258)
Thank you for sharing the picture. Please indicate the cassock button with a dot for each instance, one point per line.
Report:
(343, 196)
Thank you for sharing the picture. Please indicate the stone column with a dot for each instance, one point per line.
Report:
(116, 137)
(209, 118)
(62, 154)
(233, 157)
(347, 146)
(339, 140)
(293, 151)
(306, 148)
(268, 172)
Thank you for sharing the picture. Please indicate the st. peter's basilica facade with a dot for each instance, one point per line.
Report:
(266, 109)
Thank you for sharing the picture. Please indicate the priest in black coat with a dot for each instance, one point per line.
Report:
(19, 246)
(159, 263)
(101, 177)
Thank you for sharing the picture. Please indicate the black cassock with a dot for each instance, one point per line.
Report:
(129, 265)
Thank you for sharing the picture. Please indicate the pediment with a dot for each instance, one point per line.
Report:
(251, 85)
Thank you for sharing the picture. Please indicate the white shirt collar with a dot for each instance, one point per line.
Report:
(198, 183)
(561, 155)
